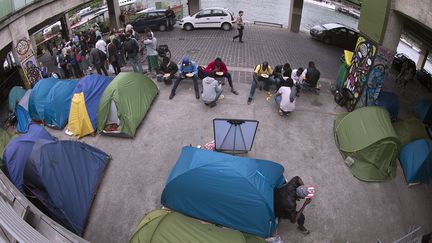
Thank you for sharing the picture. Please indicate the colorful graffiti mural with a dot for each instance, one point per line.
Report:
(376, 77)
(362, 62)
(28, 62)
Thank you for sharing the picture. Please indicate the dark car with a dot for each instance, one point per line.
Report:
(425, 78)
(153, 19)
(335, 34)
(399, 60)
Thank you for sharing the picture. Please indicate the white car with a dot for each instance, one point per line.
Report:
(209, 18)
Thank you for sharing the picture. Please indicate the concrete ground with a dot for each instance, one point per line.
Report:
(344, 209)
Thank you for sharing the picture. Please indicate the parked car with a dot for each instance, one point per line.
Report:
(399, 60)
(425, 78)
(153, 19)
(209, 18)
(336, 34)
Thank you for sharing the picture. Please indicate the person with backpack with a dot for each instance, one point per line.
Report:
(262, 74)
(240, 27)
(131, 48)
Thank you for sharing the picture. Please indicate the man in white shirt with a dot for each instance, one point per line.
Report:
(285, 98)
(150, 44)
(298, 75)
(101, 44)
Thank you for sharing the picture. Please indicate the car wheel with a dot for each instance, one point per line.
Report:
(188, 27)
(162, 28)
(327, 40)
(226, 26)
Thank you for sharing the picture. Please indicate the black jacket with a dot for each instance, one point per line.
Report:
(277, 72)
(131, 47)
(171, 68)
(312, 76)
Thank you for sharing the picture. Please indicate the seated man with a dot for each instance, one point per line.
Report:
(212, 89)
(285, 97)
(312, 75)
(285, 204)
(187, 69)
(262, 73)
(298, 75)
(281, 73)
(217, 66)
(167, 71)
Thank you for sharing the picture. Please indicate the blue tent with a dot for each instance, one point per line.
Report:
(58, 103)
(423, 109)
(389, 101)
(93, 87)
(15, 95)
(416, 161)
(38, 98)
(232, 191)
(22, 114)
(64, 176)
(18, 151)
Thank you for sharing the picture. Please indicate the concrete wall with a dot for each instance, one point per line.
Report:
(34, 15)
(420, 10)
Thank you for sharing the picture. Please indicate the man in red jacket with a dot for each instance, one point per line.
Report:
(218, 68)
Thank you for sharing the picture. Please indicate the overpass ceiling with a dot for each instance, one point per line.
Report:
(418, 31)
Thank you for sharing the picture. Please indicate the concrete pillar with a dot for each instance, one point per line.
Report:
(393, 31)
(66, 27)
(422, 58)
(295, 15)
(114, 13)
(24, 53)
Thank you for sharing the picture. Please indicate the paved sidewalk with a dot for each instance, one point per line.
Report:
(344, 209)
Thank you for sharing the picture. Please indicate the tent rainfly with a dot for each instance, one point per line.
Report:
(416, 161)
(166, 226)
(232, 191)
(368, 142)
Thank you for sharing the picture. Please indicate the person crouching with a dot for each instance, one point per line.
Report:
(212, 90)
(285, 97)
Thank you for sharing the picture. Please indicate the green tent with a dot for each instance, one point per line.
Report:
(4, 140)
(410, 130)
(166, 226)
(124, 103)
(368, 142)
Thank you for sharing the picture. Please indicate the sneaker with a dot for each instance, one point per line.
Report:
(303, 230)
(249, 101)
(171, 96)
(234, 91)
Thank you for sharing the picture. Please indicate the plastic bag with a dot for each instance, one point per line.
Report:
(111, 69)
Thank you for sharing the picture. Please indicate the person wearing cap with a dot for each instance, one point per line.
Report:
(187, 69)
(261, 74)
(218, 66)
(285, 202)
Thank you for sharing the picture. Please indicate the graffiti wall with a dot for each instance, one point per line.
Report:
(375, 80)
(28, 62)
(362, 62)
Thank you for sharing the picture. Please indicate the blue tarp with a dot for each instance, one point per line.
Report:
(232, 191)
(15, 95)
(69, 173)
(58, 103)
(424, 111)
(416, 161)
(389, 101)
(18, 151)
(93, 87)
(22, 114)
(39, 98)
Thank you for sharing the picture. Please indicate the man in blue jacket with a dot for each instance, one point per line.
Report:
(187, 69)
